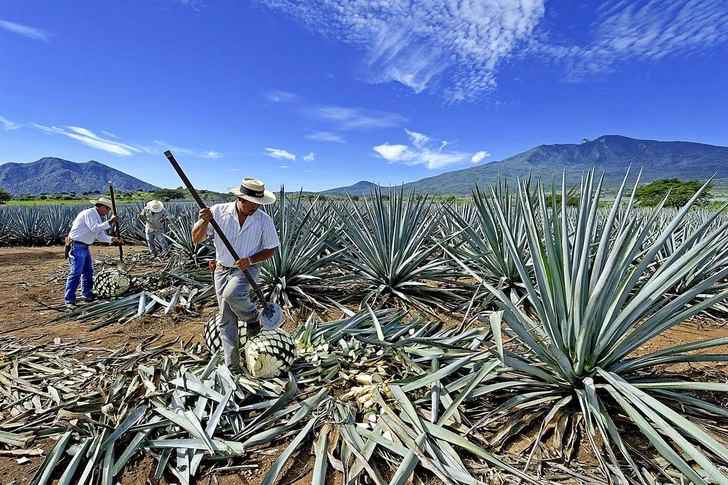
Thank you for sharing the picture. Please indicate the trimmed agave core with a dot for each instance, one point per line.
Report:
(267, 355)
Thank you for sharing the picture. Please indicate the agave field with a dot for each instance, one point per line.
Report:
(503, 340)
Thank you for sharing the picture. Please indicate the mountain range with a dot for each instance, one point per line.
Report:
(610, 155)
(51, 175)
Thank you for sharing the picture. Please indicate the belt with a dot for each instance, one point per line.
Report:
(221, 267)
(80, 243)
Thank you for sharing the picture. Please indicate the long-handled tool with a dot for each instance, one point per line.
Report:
(122, 265)
(272, 315)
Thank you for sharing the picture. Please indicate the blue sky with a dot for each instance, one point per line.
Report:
(317, 94)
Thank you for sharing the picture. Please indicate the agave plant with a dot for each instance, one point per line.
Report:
(482, 248)
(4, 226)
(593, 309)
(300, 270)
(180, 238)
(57, 222)
(27, 226)
(389, 245)
(713, 263)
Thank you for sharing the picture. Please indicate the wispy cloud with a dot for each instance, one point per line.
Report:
(88, 137)
(420, 43)
(309, 158)
(193, 4)
(326, 136)
(642, 31)
(8, 125)
(211, 154)
(25, 30)
(340, 118)
(456, 48)
(419, 153)
(358, 119)
(280, 154)
(189, 152)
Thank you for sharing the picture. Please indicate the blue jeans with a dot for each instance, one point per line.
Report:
(157, 235)
(81, 269)
(233, 298)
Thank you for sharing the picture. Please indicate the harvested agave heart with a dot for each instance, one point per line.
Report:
(110, 283)
(270, 353)
(211, 334)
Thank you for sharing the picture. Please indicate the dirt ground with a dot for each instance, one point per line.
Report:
(32, 282)
(31, 293)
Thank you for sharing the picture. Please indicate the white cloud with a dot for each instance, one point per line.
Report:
(281, 154)
(8, 125)
(420, 154)
(87, 137)
(25, 30)
(309, 158)
(395, 153)
(420, 43)
(479, 156)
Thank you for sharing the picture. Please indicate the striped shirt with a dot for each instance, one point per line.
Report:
(88, 226)
(258, 233)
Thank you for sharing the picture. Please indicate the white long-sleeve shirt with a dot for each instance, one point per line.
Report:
(88, 226)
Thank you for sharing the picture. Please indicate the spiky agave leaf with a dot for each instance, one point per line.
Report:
(592, 308)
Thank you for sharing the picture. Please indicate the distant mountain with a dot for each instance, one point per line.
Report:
(609, 154)
(54, 176)
(359, 188)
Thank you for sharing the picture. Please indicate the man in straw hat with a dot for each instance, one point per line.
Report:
(252, 234)
(87, 227)
(155, 215)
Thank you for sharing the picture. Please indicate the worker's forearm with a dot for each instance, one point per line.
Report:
(199, 231)
(262, 255)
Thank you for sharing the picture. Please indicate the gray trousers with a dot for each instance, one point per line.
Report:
(157, 235)
(233, 299)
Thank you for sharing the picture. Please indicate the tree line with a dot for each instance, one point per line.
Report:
(649, 195)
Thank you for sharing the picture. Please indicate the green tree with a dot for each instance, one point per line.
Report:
(4, 196)
(166, 195)
(678, 192)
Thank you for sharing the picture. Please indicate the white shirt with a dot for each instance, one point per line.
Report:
(258, 233)
(88, 226)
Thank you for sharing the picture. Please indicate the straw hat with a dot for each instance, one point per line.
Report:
(102, 200)
(254, 191)
(155, 205)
